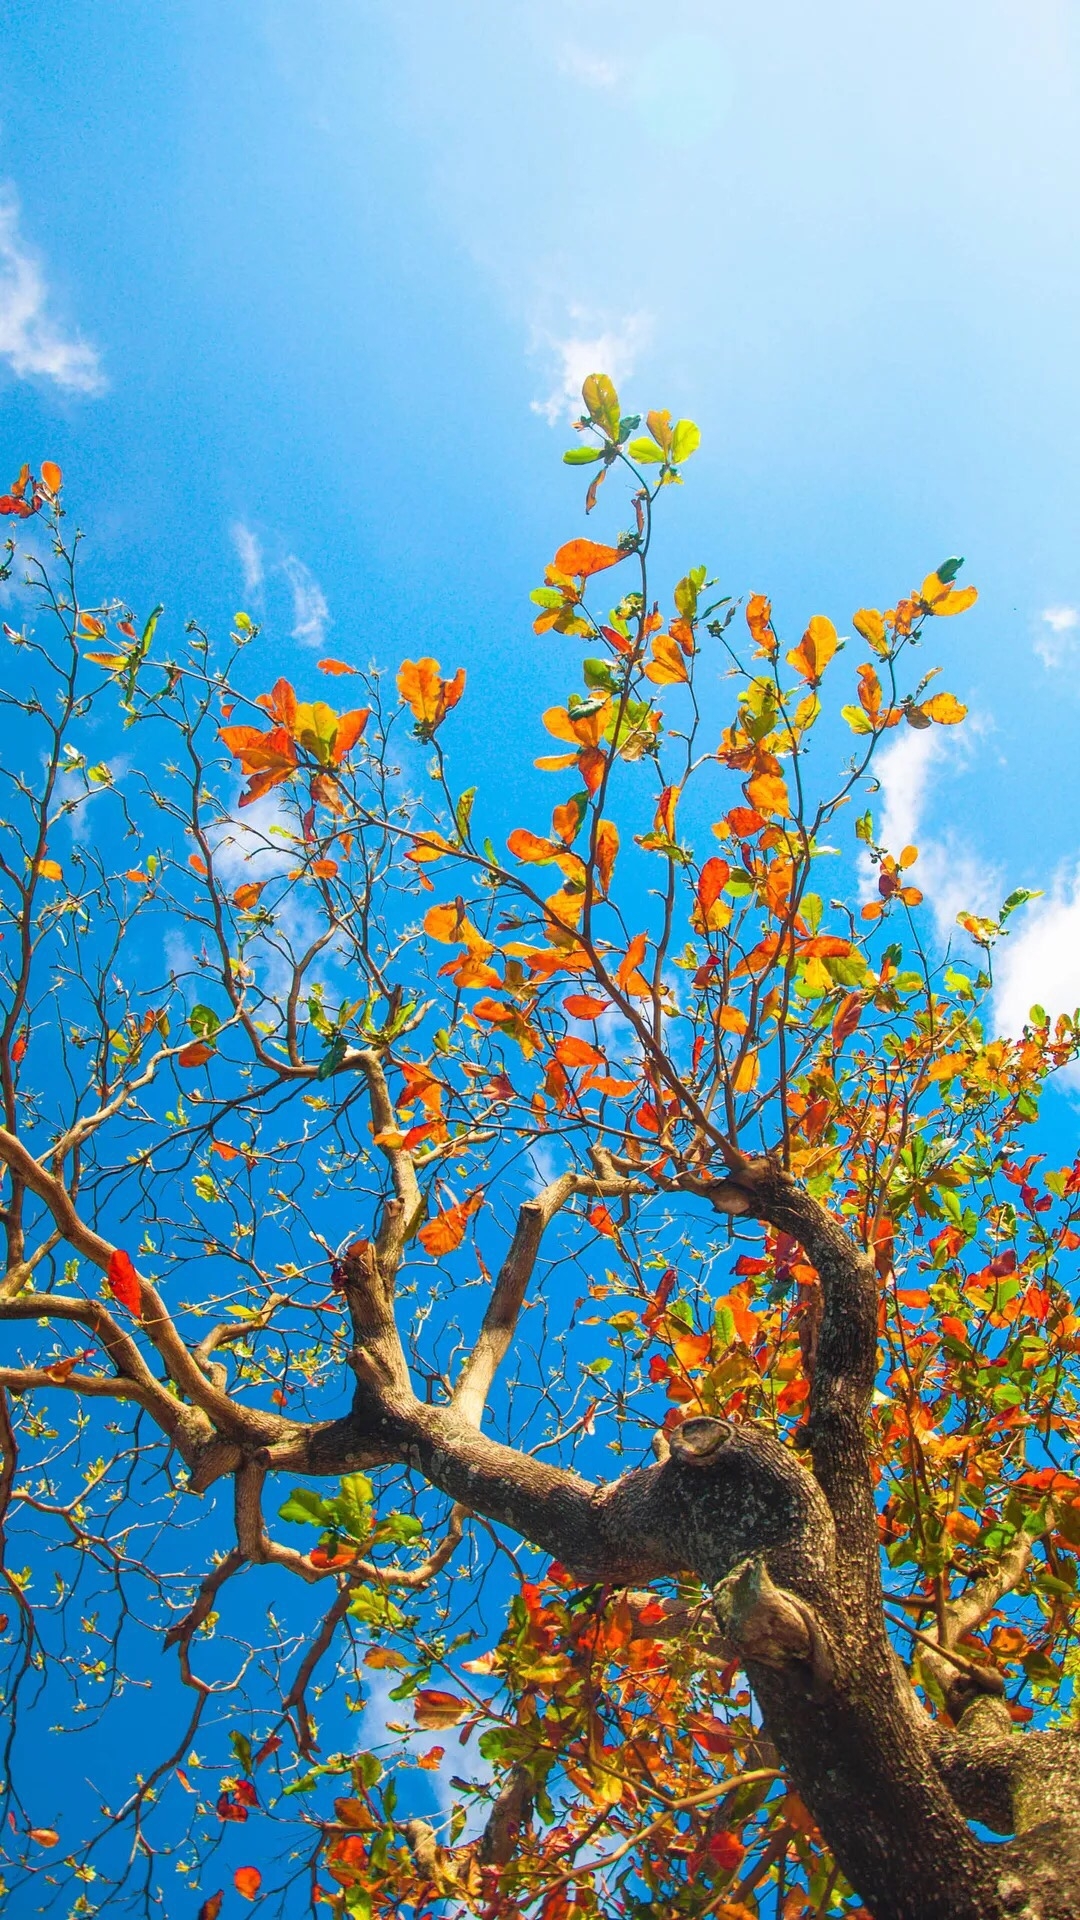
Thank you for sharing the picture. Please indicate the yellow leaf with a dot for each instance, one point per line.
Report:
(870, 624)
(945, 708)
(49, 870)
(957, 600)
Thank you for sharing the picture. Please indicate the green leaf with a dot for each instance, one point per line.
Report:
(949, 569)
(463, 811)
(149, 629)
(400, 1528)
(602, 403)
(333, 1057)
(203, 1022)
(598, 673)
(241, 1746)
(369, 1769)
(351, 1506)
(685, 440)
(1019, 898)
(646, 452)
(582, 456)
(304, 1507)
(375, 1609)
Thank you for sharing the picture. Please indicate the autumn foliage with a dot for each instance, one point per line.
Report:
(387, 1024)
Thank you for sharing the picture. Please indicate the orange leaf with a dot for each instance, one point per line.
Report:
(19, 1046)
(212, 1907)
(137, 877)
(433, 1709)
(630, 980)
(747, 1073)
(124, 1281)
(601, 1220)
(429, 697)
(195, 1054)
(90, 623)
(45, 1836)
(759, 621)
(767, 793)
(607, 847)
(246, 896)
(325, 869)
(247, 1881)
(667, 666)
(62, 1369)
(447, 1230)
(51, 476)
(335, 666)
(225, 1151)
(349, 728)
(814, 651)
(580, 558)
(431, 1760)
(572, 1052)
(714, 877)
(531, 846)
(580, 1007)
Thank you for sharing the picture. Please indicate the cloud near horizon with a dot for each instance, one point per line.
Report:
(34, 345)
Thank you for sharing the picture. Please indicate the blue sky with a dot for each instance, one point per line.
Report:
(299, 298)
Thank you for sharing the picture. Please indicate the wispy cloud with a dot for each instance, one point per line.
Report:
(32, 342)
(949, 872)
(588, 69)
(249, 554)
(592, 346)
(1056, 635)
(311, 615)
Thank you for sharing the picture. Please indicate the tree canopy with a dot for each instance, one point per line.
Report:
(585, 1286)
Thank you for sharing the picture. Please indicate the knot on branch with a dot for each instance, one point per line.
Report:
(766, 1624)
(698, 1440)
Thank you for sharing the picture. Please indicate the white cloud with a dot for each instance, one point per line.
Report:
(249, 554)
(593, 347)
(588, 69)
(1055, 639)
(310, 611)
(950, 874)
(32, 343)
(1039, 964)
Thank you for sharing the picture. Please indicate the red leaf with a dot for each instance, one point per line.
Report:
(19, 1049)
(335, 666)
(847, 1017)
(227, 1809)
(212, 1907)
(124, 1281)
(195, 1055)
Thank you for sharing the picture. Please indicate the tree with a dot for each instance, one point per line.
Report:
(289, 1070)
